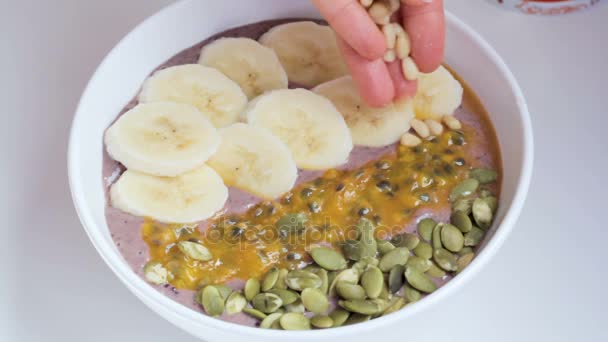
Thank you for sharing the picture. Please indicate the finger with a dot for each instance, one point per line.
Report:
(353, 24)
(403, 88)
(424, 21)
(371, 77)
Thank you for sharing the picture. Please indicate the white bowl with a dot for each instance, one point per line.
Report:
(187, 22)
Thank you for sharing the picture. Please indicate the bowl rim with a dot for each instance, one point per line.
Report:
(150, 296)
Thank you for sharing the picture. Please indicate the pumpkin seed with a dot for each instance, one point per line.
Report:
(397, 256)
(331, 276)
(322, 322)
(397, 304)
(270, 320)
(351, 250)
(464, 189)
(350, 291)
(281, 279)
(252, 288)
(328, 258)
(372, 281)
(409, 241)
(156, 273)
(224, 291)
(484, 176)
(421, 264)
(362, 306)
(270, 279)
(384, 246)
(267, 302)
(349, 275)
(482, 213)
(446, 260)
(464, 261)
(212, 302)
(425, 228)
(465, 250)
(419, 280)
(287, 296)
(366, 229)
(362, 264)
(435, 271)
(474, 237)
(194, 250)
(395, 278)
(339, 316)
(314, 300)
(235, 303)
(291, 224)
(461, 221)
(299, 280)
(492, 203)
(294, 321)
(464, 205)
(437, 236)
(452, 238)
(254, 313)
(424, 250)
(323, 274)
(296, 307)
(412, 295)
(357, 318)
(384, 293)
(483, 193)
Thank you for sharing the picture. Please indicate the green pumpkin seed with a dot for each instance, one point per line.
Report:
(397, 256)
(484, 176)
(482, 213)
(372, 281)
(384, 293)
(437, 236)
(395, 278)
(357, 318)
(235, 303)
(280, 284)
(299, 280)
(314, 300)
(464, 189)
(349, 275)
(212, 301)
(425, 228)
(492, 203)
(224, 291)
(291, 224)
(419, 280)
(483, 193)
(294, 321)
(384, 246)
(446, 260)
(287, 296)
(351, 250)
(339, 316)
(461, 221)
(156, 273)
(474, 237)
(312, 268)
(424, 251)
(464, 205)
(452, 238)
(435, 271)
(465, 250)
(331, 276)
(328, 258)
(270, 279)
(324, 275)
(322, 322)
(409, 241)
(396, 304)
(267, 302)
(270, 320)
(366, 229)
(296, 307)
(194, 250)
(421, 264)
(364, 307)
(364, 263)
(412, 295)
(254, 313)
(350, 291)
(464, 261)
(252, 288)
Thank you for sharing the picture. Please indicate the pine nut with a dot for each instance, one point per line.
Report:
(409, 68)
(452, 122)
(390, 56)
(390, 34)
(366, 3)
(379, 13)
(393, 5)
(410, 140)
(403, 45)
(421, 128)
(435, 127)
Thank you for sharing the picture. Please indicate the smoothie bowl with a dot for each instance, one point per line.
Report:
(230, 175)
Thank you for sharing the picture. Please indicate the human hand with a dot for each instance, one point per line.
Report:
(363, 45)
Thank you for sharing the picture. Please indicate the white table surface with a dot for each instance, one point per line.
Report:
(548, 283)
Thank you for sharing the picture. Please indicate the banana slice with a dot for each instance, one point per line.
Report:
(309, 124)
(255, 67)
(191, 197)
(308, 51)
(219, 98)
(252, 159)
(439, 94)
(162, 138)
(373, 127)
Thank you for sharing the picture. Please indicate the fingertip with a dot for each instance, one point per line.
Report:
(426, 26)
(403, 88)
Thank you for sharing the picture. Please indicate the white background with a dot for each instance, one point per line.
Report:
(548, 283)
